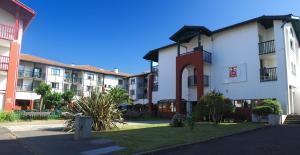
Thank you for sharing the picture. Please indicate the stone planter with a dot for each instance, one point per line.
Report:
(261, 119)
(276, 119)
(83, 127)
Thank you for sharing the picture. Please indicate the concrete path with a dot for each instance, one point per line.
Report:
(9, 145)
(277, 140)
(48, 138)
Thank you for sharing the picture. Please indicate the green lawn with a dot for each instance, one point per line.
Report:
(144, 137)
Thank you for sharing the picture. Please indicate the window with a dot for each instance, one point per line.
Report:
(132, 81)
(37, 72)
(132, 92)
(293, 68)
(55, 85)
(90, 76)
(120, 82)
(292, 32)
(55, 71)
(292, 44)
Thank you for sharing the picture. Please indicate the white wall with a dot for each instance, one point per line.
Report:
(230, 48)
(55, 78)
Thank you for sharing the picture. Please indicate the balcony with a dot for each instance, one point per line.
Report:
(4, 61)
(266, 47)
(268, 74)
(25, 88)
(155, 86)
(77, 80)
(192, 81)
(8, 32)
(207, 56)
(31, 74)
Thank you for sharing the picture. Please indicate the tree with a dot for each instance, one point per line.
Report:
(120, 95)
(53, 99)
(43, 89)
(68, 96)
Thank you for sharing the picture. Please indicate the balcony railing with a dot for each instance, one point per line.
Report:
(25, 88)
(31, 74)
(155, 86)
(207, 56)
(77, 80)
(4, 61)
(8, 32)
(268, 74)
(192, 81)
(266, 47)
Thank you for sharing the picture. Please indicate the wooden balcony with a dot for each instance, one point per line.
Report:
(4, 61)
(8, 32)
(207, 56)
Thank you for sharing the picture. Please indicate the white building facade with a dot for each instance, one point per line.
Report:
(252, 60)
(138, 88)
(61, 77)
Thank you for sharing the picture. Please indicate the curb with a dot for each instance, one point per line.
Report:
(178, 146)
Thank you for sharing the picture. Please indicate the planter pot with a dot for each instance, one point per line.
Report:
(83, 127)
(275, 119)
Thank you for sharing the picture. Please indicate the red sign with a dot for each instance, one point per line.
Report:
(233, 72)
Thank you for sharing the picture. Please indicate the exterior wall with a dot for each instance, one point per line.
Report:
(139, 87)
(233, 47)
(10, 48)
(55, 78)
(292, 58)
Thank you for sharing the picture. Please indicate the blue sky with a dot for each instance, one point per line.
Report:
(118, 33)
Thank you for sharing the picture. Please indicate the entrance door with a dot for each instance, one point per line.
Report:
(292, 100)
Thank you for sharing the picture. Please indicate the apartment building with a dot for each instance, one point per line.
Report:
(248, 61)
(15, 18)
(138, 87)
(81, 79)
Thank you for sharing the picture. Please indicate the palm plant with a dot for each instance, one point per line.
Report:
(120, 95)
(101, 107)
(43, 89)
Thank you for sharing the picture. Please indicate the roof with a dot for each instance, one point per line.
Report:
(141, 74)
(31, 58)
(15, 7)
(153, 54)
(188, 32)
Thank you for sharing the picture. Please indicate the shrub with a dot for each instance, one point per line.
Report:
(263, 110)
(214, 106)
(7, 116)
(190, 121)
(274, 104)
(101, 107)
(177, 120)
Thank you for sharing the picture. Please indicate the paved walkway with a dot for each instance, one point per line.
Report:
(10, 146)
(277, 140)
(48, 138)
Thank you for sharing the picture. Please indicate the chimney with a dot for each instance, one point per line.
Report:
(116, 70)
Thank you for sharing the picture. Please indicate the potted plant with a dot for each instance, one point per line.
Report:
(268, 111)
